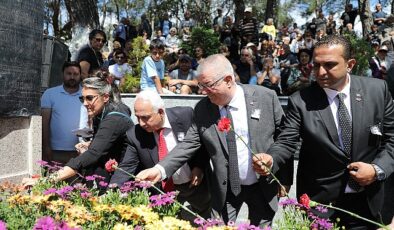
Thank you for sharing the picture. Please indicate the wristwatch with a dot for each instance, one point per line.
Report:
(380, 175)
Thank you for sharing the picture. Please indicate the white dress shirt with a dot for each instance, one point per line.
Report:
(240, 124)
(183, 174)
(334, 103)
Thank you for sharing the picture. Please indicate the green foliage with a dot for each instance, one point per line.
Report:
(136, 56)
(362, 51)
(205, 38)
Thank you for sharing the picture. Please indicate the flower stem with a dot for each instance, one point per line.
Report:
(161, 192)
(264, 164)
(354, 215)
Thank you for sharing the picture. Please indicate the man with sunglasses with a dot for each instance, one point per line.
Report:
(61, 113)
(89, 56)
(120, 68)
(256, 115)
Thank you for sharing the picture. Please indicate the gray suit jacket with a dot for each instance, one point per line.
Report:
(204, 132)
(322, 172)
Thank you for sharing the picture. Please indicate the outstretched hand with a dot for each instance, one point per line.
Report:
(152, 174)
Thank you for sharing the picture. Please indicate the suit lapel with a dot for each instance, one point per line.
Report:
(252, 104)
(325, 112)
(214, 117)
(357, 105)
(151, 146)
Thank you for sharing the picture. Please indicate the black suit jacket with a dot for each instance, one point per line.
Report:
(322, 172)
(142, 151)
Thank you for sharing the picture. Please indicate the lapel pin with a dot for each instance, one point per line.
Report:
(358, 97)
(181, 136)
(256, 114)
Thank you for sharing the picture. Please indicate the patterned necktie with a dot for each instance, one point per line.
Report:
(235, 183)
(167, 185)
(346, 133)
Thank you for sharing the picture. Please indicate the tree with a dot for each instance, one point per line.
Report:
(365, 16)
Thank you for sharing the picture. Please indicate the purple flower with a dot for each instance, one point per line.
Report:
(288, 202)
(98, 177)
(42, 163)
(90, 178)
(45, 223)
(86, 194)
(49, 191)
(138, 227)
(81, 187)
(63, 192)
(321, 209)
(103, 184)
(3, 226)
(199, 221)
(112, 185)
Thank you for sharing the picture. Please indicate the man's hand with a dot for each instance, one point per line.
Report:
(29, 182)
(362, 173)
(283, 191)
(262, 163)
(82, 147)
(152, 174)
(196, 177)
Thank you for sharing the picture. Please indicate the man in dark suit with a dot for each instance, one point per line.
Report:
(346, 124)
(144, 150)
(256, 115)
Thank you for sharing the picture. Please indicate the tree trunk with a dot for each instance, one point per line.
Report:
(117, 10)
(365, 16)
(392, 7)
(270, 10)
(85, 13)
(21, 50)
(239, 10)
(104, 10)
(55, 5)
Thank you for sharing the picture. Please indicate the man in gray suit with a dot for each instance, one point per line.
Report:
(256, 115)
(346, 124)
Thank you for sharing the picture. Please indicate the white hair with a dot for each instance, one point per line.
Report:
(217, 65)
(152, 97)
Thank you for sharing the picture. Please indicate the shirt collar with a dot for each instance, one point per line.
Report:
(236, 101)
(72, 94)
(166, 124)
(331, 93)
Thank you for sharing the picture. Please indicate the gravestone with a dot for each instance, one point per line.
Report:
(21, 26)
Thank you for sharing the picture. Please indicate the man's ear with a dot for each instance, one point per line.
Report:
(350, 64)
(106, 97)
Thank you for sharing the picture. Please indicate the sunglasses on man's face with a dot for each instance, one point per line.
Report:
(88, 98)
(120, 57)
(100, 40)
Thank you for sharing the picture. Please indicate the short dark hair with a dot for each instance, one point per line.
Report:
(119, 51)
(331, 40)
(93, 33)
(156, 44)
(71, 63)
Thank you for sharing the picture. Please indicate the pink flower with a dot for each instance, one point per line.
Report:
(304, 200)
(224, 124)
(111, 165)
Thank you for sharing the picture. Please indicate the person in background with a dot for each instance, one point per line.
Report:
(379, 17)
(183, 80)
(152, 70)
(172, 41)
(248, 28)
(165, 25)
(269, 76)
(244, 69)
(270, 29)
(62, 112)
(89, 56)
(120, 68)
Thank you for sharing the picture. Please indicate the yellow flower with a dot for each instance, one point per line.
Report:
(39, 199)
(79, 214)
(120, 226)
(18, 199)
(169, 223)
(102, 208)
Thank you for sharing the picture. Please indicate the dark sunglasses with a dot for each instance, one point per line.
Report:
(100, 40)
(120, 57)
(88, 98)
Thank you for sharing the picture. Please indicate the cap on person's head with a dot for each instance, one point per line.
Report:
(248, 9)
(250, 44)
(185, 57)
(384, 48)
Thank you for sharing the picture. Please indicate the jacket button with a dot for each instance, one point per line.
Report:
(224, 182)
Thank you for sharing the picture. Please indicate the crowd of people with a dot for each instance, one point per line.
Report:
(250, 47)
(349, 118)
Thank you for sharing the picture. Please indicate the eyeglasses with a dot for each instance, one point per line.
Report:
(120, 57)
(210, 86)
(88, 98)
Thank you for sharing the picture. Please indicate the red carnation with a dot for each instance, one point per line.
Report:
(111, 165)
(304, 200)
(224, 124)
